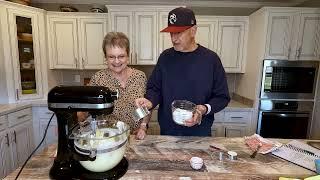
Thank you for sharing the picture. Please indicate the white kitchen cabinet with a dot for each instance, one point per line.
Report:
(231, 123)
(75, 40)
(41, 117)
(232, 43)
(16, 140)
(154, 128)
(140, 24)
(23, 53)
(207, 32)
(292, 33)
(5, 163)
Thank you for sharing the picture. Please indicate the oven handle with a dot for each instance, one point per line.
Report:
(279, 114)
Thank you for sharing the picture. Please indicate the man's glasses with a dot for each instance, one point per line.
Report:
(113, 58)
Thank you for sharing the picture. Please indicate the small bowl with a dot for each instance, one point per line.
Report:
(196, 163)
(182, 110)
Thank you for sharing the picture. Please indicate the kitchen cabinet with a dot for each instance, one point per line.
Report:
(140, 24)
(16, 140)
(41, 117)
(75, 40)
(23, 53)
(5, 166)
(232, 43)
(207, 32)
(154, 128)
(292, 33)
(231, 124)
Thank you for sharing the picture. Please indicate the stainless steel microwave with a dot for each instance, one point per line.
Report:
(282, 79)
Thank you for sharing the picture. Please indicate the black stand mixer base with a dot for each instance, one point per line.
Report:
(115, 173)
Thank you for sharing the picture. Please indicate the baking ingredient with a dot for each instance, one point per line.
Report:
(180, 115)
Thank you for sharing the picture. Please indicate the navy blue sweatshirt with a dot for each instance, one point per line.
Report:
(196, 76)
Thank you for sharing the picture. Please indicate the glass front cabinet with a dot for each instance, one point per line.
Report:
(27, 54)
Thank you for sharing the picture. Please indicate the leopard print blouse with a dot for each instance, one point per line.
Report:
(124, 106)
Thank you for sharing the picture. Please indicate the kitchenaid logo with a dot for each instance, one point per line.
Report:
(172, 18)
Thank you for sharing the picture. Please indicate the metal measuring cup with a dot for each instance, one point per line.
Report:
(140, 113)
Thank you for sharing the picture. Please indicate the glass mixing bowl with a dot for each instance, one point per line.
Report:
(182, 110)
(108, 144)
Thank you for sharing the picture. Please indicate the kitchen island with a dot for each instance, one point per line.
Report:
(165, 157)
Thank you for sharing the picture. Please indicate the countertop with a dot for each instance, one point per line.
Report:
(165, 157)
(9, 108)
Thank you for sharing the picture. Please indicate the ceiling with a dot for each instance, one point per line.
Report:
(190, 3)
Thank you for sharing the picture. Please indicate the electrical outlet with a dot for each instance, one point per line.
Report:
(76, 78)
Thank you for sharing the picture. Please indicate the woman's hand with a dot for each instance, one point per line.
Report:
(82, 116)
(143, 102)
(142, 131)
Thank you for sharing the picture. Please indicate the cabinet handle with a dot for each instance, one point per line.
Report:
(15, 136)
(225, 132)
(49, 112)
(82, 63)
(7, 136)
(236, 117)
(76, 61)
(19, 117)
(299, 53)
(17, 94)
(289, 51)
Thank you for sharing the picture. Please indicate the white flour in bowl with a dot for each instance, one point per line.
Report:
(180, 115)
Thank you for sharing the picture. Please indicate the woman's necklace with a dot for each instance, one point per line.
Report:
(123, 79)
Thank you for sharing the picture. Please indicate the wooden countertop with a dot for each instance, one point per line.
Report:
(164, 157)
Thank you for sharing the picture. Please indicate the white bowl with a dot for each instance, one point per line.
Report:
(196, 163)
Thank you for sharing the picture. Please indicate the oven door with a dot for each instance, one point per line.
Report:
(287, 125)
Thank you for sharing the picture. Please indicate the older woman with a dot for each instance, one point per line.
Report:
(130, 82)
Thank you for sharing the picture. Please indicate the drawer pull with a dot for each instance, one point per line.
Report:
(22, 116)
(49, 112)
(7, 136)
(15, 136)
(236, 117)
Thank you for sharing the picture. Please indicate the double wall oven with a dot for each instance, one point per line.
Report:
(287, 98)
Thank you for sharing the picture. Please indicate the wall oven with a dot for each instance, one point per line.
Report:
(283, 79)
(285, 119)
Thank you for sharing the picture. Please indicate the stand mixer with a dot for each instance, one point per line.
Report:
(81, 150)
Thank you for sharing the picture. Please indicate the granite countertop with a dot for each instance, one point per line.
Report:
(165, 157)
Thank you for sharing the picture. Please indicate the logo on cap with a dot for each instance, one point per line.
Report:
(172, 19)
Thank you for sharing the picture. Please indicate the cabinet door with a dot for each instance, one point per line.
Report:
(145, 42)
(63, 43)
(25, 52)
(279, 35)
(22, 142)
(217, 130)
(122, 22)
(164, 38)
(231, 45)
(52, 133)
(154, 128)
(235, 130)
(308, 47)
(5, 165)
(206, 33)
(92, 32)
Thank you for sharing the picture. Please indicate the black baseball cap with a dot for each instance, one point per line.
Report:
(180, 19)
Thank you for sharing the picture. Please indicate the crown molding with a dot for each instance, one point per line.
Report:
(189, 3)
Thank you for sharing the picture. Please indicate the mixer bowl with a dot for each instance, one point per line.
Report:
(108, 145)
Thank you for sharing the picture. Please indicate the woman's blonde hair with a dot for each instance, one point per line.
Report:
(116, 39)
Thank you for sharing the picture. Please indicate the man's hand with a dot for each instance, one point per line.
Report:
(197, 116)
(143, 102)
